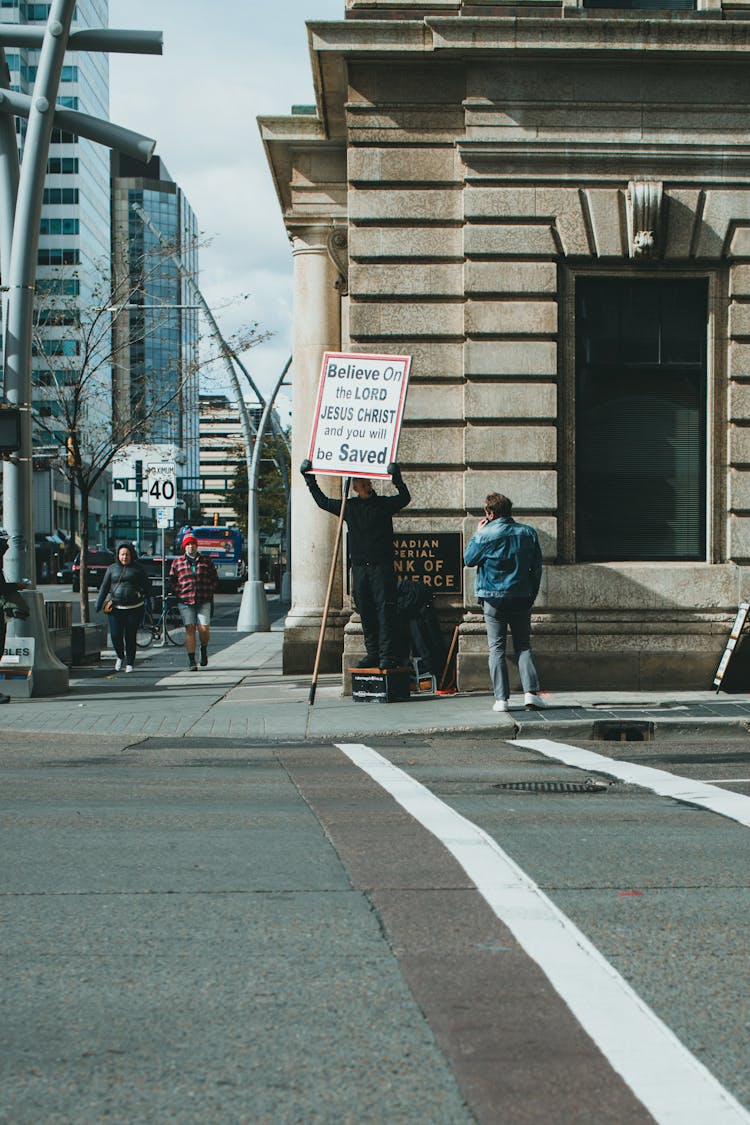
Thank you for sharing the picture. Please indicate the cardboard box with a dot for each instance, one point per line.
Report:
(16, 680)
(380, 685)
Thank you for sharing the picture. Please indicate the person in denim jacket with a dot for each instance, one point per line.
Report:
(509, 569)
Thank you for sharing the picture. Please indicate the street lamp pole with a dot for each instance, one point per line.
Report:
(254, 606)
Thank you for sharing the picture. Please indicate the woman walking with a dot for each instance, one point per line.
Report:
(124, 589)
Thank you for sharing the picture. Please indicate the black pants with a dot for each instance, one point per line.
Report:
(123, 625)
(375, 598)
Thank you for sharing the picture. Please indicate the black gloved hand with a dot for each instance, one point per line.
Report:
(305, 466)
(394, 472)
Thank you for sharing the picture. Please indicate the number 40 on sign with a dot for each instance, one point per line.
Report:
(161, 486)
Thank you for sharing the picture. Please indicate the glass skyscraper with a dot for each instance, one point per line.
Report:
(156, 331)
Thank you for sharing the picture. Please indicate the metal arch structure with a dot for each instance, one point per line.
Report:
(21, 190)
(253, 614)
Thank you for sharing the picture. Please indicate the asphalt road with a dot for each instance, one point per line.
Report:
(201, 930)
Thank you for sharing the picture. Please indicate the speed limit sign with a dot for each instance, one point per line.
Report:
(161, 484)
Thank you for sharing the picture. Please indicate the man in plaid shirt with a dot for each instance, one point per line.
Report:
(194, 579)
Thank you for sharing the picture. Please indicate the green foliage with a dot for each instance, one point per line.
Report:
(271, 491)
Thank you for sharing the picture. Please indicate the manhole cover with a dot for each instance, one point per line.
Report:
(590, 785)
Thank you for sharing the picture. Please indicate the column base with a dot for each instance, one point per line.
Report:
(50, 675)
(301, 635)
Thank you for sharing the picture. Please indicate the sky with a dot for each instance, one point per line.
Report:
(225, 62)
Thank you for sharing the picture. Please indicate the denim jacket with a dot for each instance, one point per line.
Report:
(508, 560)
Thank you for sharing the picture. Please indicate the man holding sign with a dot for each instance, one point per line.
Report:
(369, 520)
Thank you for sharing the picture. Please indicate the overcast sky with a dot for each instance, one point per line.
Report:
(224, 63)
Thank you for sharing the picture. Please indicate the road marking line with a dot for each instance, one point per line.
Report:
(675, 1087)
(736, 806)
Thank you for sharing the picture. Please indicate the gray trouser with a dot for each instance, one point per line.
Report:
(516, 616)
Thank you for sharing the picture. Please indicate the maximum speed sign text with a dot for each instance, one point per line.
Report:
(161, 485)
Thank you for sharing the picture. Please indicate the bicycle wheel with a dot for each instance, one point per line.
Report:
(144, 634)
(175, 633)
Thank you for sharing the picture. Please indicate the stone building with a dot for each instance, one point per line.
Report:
(548, 207)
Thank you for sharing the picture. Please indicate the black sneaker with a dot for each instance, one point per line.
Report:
(204, 657)
(192, 666)
(367, 662)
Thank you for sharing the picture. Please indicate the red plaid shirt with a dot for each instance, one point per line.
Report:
(193, 585)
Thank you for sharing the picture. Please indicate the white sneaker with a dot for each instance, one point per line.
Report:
(128, 667)
(534, 701)
(500, 705)
(118, 664)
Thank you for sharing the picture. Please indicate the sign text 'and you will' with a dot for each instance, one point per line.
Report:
(357, 420)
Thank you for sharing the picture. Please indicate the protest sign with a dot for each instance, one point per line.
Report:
(357, 419)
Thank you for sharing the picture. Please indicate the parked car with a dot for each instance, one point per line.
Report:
(65, 574)
(96, 567)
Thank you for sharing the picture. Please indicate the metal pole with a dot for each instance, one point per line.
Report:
(253, 615)
(163, 589)
(331, 574)
(8, 182)
(50, 675)
(17, 480)
(138, 491)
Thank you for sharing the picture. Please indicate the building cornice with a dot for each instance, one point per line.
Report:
(615, 161)
(528, 33)
(580, 33)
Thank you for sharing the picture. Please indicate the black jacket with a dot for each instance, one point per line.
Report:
(369, 522)
(126, 585)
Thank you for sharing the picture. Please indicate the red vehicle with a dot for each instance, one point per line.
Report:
(96, 568)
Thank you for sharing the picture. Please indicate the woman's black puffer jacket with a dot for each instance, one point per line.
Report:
(126, 585)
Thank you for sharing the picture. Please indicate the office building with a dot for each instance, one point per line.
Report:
(222, 445)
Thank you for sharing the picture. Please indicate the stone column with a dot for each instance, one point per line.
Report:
(317, 328)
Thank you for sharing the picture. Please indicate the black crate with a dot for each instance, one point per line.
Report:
(380, 685)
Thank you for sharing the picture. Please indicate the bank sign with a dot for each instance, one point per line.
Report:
(358, 415)
(435, 559)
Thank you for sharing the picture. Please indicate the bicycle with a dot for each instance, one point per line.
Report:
(167, 627)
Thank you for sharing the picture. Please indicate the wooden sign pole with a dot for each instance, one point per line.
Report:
(448, 659)
(334, 561)
(734, 636)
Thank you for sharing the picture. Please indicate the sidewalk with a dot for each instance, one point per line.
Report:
(244, 695)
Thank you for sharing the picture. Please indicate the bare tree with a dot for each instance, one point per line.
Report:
(84, 413)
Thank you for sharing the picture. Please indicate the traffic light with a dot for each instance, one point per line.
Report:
(10, 429)
(71, 450)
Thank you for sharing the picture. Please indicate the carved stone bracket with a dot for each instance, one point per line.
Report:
(645, 215)
(337, 246)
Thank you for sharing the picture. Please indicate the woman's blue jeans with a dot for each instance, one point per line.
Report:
(513, 614)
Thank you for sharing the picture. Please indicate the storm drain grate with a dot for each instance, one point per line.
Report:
(590, 785)
(623, 730)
